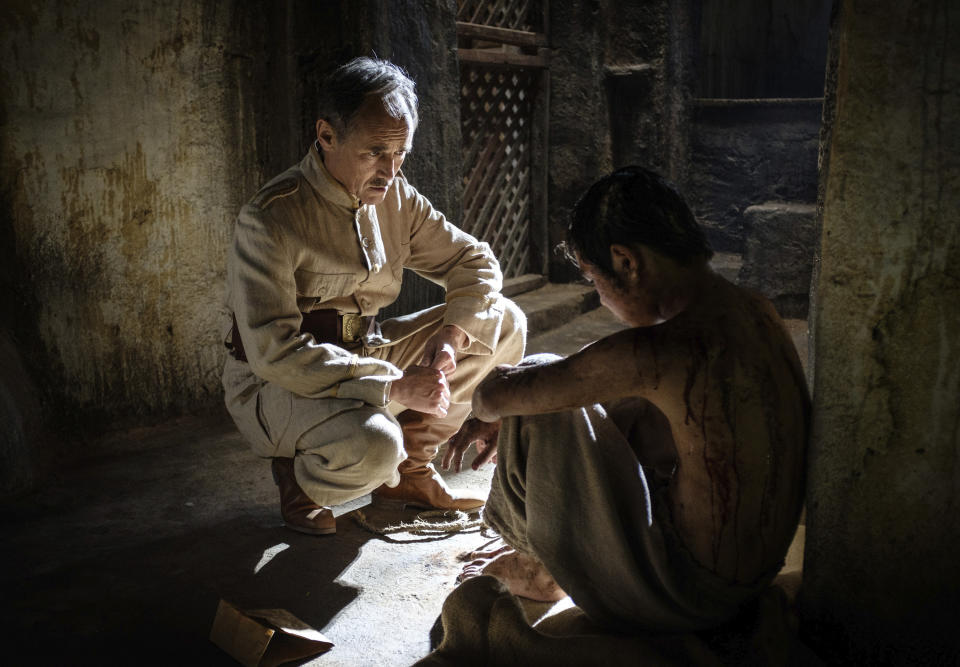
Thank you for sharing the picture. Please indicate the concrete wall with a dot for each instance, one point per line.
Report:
(124, 157)
(746, 153)
(882, 580)
(760, 48)
(579, 149)
(130, 135)
(617, 89)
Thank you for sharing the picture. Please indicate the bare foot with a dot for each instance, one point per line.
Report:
(523, 575)
(488, 551)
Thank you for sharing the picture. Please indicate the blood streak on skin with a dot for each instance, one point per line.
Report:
(716, 461)
(728, 402)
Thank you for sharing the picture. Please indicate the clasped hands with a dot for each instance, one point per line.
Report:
(424, 387)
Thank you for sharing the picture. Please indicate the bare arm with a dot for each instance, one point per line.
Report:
(628, 363)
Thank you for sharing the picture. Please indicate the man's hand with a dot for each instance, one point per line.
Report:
(422, 389)
(440, 351)
(483, 434)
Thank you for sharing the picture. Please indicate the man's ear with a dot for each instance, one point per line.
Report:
(627, 262)
(325, 135)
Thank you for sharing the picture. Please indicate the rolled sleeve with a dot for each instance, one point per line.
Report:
(480, 319)
(374, 390)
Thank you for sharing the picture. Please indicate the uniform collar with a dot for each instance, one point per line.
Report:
(325, 184)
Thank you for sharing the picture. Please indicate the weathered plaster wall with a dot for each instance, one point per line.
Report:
(130, 135)
(881, 580)
(617, 97)
(22, 421)
(579, 151)
(123, 159)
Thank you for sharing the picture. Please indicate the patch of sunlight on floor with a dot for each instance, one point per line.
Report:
(269, 554)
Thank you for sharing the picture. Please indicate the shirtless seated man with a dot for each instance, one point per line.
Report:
(657, 475)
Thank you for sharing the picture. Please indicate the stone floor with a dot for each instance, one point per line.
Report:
(123, 559)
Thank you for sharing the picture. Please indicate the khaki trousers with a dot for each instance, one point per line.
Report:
(345, 448)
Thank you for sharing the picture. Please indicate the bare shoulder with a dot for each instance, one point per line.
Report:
(741, 427)
(756, 330)
(729, 343)
(735, 317)
(649, 362)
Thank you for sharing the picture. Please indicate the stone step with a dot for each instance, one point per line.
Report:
(778, 253)
(525, 283)
(551, 305)
(570, 336)
(727, 264)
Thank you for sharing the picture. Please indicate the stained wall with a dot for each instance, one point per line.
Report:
(130, 135)
(881, 579)
(124, 154)
(618, 93)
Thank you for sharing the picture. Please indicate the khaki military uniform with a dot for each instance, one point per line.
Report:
(304, 243)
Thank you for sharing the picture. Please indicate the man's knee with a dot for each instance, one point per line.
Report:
(367, 438)
(384, 443)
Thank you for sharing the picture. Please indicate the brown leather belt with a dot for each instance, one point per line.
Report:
(326, 325)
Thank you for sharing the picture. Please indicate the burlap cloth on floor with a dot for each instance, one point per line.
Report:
(483, 624)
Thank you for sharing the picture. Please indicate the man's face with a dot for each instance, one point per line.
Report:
(366, 158)
(611, 294)
(626, 302)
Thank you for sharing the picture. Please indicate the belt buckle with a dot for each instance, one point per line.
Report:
(351, 327)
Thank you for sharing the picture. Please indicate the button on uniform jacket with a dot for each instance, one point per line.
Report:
(303, 243)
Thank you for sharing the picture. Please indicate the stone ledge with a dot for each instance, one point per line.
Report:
(555, 304)
(778, 253)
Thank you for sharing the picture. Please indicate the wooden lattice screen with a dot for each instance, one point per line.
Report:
(512, 14)
(495, 125)
(502, 70)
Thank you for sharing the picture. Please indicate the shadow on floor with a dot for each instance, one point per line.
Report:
(123, 560)
(157, 600)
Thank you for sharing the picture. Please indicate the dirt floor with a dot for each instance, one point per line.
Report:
(124, 559)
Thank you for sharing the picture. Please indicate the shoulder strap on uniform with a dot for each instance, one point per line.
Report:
(273, 191)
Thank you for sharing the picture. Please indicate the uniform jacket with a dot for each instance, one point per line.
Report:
(303, 243)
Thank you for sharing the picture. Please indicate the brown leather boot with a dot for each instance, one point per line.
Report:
(423, 487)
(298, 511)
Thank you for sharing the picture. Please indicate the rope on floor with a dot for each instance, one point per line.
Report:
(432, 522)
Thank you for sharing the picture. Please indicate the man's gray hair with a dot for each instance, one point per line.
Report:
(344, 90)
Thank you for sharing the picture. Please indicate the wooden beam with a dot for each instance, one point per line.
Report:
(502, 35)
(494, 57)
(630, 70)
(755, 102)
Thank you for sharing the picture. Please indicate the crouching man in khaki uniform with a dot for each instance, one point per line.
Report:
(345, 404)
